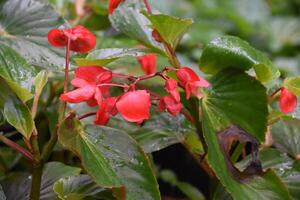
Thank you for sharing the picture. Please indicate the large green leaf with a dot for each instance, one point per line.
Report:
(16, 186)
(24, 25)
(127, 18)
(286, 137)
(80, 187)
(170, 28)
(266, 187)
(230, 51)
(237, 98)
(285, 167)
(160, 131)
(112, 158)
(19, 116)
(17, 72)
(102, 57)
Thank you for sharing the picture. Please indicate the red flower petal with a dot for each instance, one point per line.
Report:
(191, 81)
(113, 4)
(172, 88)
(186, 74)
(89, 73)
(57, 38)
(78, 82)
(81, 39)
(169, 103)
(98, 95)
(78, 95)
(288, 101)
(104, 77)
(135, 106)
(106, 109)
(148, 63)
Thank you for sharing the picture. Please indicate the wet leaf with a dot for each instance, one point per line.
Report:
(80, 187)
(127, 18)
(24, 27)
(171, 29)
(103, 57)
(236, 98)
(233, 52)
(293, 85)
(112, 158)
(17, 72)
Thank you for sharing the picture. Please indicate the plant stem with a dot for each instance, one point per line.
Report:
(62, 109)
(38, 168)
(17, 147)
(86, 115)
(36, 181)
(148, 6)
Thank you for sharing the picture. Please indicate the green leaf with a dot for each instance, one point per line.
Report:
(170, 28)
(40, 81)
(286, 137)
(17, 186)
(127, 18)
(19, 116)
(103, 57)
(293, 85)
(24, 25)
(268, 186)
(285, 167)
(112, 158)
(233, 52)
(80, 187)
(160, 131)
(237, 98)
(17, 72)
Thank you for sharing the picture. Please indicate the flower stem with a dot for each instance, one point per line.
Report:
(86, 115)
(38, 168)
(17, 147)
(148, 6)
(62, 108)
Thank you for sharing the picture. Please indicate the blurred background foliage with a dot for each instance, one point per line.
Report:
(270, 25)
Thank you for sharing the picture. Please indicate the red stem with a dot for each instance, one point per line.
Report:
(66, 81)
(148, 6)
(113, 84)
(86, 115)
(274, 93)
(17, 147)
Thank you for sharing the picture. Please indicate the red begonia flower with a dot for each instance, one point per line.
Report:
(172, 88)
(106, 109)
(170, 104)
(287, 101)
(148, 63)
(88, 81)
(190, 81)
(134, 106)
(81, 39)
(112, 5)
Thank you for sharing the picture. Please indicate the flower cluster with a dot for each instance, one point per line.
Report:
(92, 83)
